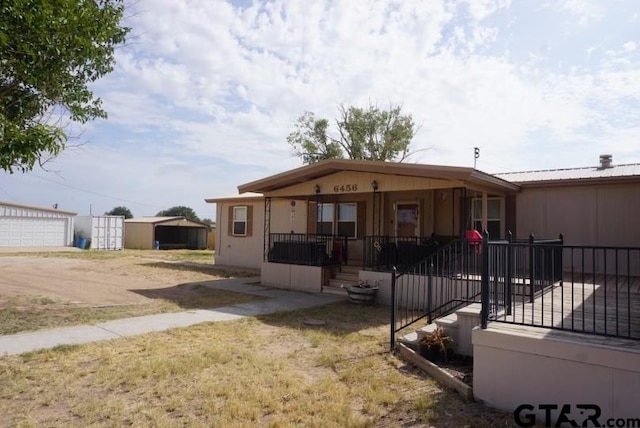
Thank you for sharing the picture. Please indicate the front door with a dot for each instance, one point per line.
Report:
(407, 219)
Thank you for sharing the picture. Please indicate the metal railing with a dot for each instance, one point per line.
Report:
(436, 286)
(585, 289)
(307, 249)
(384, 252)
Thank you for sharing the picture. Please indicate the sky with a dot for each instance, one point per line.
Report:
(205, 92)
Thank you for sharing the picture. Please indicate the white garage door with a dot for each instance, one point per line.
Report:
(32, 232)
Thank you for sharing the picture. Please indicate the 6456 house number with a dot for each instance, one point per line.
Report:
(345, 188)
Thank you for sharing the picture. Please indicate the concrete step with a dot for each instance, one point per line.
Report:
(347, 276)
(335, 290)
(350, 269)
(411, 340)
(338, 283)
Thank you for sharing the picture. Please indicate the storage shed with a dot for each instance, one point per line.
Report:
(104, 232)
(169, 232)
(31, 226)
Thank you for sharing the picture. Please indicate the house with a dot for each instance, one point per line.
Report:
(554, 281)
(31, 226)
(148, 233)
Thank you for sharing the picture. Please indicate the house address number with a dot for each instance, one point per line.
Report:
(345, 188)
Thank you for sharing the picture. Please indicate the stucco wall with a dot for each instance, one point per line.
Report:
(241, 251)
(513, 367)
(293, 277)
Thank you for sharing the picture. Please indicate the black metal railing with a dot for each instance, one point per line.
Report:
(307, 249)
(384, 252)
(544, 283)
(436, 286)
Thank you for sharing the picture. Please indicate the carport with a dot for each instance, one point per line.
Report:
(165, 233)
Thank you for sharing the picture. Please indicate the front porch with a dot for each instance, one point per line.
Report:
(361, 217)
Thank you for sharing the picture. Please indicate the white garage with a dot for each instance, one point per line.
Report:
(28, 226)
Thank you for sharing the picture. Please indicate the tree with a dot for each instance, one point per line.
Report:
(362, 133)
(49, 52)
(179, 211)
(123, 211)
(209, 222)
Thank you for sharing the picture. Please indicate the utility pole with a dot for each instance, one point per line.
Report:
(476, 155)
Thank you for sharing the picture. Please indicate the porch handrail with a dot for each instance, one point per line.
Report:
(586, 289)
(435, 286)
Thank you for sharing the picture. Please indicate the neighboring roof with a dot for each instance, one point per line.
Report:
(332, 166)
(549, 176)
(33, 207)
(235, 198)
(159, 220)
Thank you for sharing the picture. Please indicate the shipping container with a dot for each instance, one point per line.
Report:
(105, 232)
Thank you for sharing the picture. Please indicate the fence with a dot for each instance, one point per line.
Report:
(307, 249)
(586, 289)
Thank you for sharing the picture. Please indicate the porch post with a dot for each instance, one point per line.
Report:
(485, 210)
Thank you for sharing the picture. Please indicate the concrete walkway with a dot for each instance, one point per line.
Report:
(276, 301)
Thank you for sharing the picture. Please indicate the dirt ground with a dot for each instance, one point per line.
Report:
(116, 281)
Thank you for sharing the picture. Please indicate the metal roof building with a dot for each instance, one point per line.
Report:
(147, 233)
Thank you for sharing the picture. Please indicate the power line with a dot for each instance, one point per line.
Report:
(8, 194)
(79, 189)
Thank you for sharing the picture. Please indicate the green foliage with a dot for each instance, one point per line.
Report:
(179, 211)
(209, 222)
(363, 133)
(123, 211)
(49, 52)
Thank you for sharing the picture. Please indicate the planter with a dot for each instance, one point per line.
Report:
(362, 295)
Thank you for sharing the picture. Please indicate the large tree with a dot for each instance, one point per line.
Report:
(50, 51)
(361, 133)
(179, 211)
(123, 211)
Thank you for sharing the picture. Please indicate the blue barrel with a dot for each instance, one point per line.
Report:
(82, 243)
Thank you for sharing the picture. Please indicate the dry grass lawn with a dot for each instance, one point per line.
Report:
(266, 371)
(45, 290)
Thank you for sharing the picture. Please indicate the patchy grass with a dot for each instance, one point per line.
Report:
(27, 313)
(266, 371)
(200, 256)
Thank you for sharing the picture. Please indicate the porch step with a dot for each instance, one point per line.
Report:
(351, 269)
(347, 277)
(342, 283)
(448, 323)
(332, 289)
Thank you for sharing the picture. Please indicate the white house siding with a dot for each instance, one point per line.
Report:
(22, 226)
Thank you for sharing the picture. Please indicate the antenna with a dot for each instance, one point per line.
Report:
(476, 155)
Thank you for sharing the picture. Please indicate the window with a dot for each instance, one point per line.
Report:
(240, 220)
(338, 219)
(347, 220)
(494, 216)
(325, 219)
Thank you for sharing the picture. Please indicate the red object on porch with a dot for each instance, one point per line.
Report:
(474, 238)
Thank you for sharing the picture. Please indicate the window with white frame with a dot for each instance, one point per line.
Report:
(338, 219)
(239, 221)
(347, 220)
(325, 219)
(494, 216)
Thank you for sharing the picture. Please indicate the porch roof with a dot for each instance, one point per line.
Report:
(332, 166)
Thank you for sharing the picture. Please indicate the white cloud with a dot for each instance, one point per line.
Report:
(205, 93)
